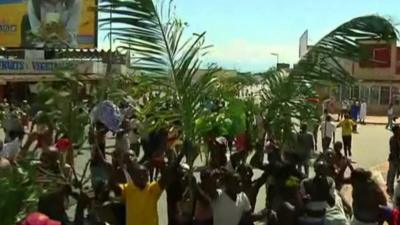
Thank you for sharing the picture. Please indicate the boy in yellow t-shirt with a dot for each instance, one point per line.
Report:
(141, 196)
(347, 130)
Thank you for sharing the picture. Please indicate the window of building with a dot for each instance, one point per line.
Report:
(385, 95)
(364, 93)
(374, 95)
(355, 92)
(336, 93)
(375, 56)
(395, 95)
(345, 92)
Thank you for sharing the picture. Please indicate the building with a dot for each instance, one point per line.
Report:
(22, 69)
(378, 76)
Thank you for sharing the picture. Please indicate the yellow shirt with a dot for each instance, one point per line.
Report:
(347, 127)
(141, 205)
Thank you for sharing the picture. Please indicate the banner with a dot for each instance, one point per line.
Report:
(17, 66)
(31, 23)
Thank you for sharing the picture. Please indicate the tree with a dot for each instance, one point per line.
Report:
(168, 61)
(285, 97)
(322, 62)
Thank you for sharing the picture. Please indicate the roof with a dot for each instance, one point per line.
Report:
(38, 78)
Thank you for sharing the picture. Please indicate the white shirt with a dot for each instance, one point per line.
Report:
(345, 106)
(228, 212)
(327, 129)
(390, 111)
(11, 149)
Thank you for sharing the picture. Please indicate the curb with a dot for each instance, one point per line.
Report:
(375, 123)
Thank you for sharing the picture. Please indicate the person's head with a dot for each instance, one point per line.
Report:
(208, 180)
(303, 127)
(347, 116)
(338, 147)
(232, 183)
(218, 152)
(139, 174)
(396, 130)
(326, 111)
(49, 159)
(246, 173)
(321, 168)
(119, 134)
(360, 176)
(101, 128)
(328, 118)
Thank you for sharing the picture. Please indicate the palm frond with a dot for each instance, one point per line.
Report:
(168, 61)
(323, 61)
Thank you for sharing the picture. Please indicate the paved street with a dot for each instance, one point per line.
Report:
(371, 145)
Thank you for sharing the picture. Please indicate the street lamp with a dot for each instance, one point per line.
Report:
(277, 57)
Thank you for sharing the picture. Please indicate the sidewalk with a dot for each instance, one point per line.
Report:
(377, 120)
(372, 120)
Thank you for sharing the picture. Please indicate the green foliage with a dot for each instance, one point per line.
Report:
(167, 60)
(62, 106)
(19, 193)
(323, 61)
(284, 96)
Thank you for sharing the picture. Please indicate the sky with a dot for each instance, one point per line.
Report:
(244, 33)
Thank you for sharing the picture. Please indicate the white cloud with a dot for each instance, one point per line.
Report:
(251, 56)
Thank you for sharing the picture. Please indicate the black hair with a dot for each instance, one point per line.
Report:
(361, 174)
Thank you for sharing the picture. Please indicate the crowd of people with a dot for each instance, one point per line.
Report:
(129, 178)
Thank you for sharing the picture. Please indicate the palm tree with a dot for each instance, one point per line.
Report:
(64, 109)
(322, 63)
(167, 60)
(285, 96)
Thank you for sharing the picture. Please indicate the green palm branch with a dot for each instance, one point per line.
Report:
(323, 61)
(168, 61)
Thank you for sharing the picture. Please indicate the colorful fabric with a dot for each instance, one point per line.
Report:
(63, 144)
(392, 216)
(347, 127)
(39, 219)
(108, 114)
(241, 142)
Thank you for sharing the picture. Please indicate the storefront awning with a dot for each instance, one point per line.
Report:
(40, 78)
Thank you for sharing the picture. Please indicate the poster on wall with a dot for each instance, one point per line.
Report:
(48, 23)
